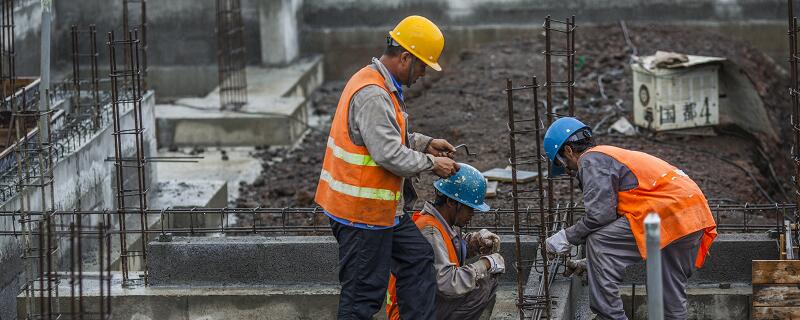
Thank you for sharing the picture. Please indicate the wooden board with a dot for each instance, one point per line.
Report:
(776, 313)
(776, 271)
(491, 189)
(504, 175)
(776, 295)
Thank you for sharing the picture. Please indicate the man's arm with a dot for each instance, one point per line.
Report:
(452, 281)
(600, 181)
(373, 123)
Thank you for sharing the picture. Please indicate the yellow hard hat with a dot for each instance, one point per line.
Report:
(422, 38)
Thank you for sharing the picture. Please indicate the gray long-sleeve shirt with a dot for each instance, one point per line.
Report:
(372, 123)
(601, 177)
(452, 281)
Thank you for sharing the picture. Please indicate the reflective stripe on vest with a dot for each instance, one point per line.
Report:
(349, 157)
(359, 192)
(352, 186)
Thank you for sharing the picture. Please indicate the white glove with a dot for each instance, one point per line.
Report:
(498, 264)
(557, 243)
(489, 242)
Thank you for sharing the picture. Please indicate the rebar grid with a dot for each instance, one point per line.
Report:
(128, 7)
(93, 82)
(528, 155)
(735, 218)
(231, 55)
(794, 93)
(126, 93)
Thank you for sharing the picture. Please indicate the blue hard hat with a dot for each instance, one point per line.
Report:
(561, 131)
(467, 186)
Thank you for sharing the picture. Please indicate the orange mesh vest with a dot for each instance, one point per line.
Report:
(351, 185)
(422, 221)
(667, 190)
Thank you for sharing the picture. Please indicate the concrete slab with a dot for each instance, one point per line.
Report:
(192, 194)
(730, 260)
(263, 120)
(240, 167)
(306, 301)
(257, 260)
(276, 112)
(704, 302)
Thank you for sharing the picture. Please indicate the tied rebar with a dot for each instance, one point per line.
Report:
(130, 7)
(93, 82)
(129, 163)
(231, 55)
(794, 93)
(521, 156)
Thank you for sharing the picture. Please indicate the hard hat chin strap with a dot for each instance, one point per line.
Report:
(411, 70)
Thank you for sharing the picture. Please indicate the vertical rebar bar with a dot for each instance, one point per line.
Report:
(231, 55)
(126, 92)
(514, 203)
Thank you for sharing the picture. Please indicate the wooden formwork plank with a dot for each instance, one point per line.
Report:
(776, 296)
(773, 313)
(776, 271)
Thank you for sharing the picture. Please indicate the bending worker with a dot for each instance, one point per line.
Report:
(363, 186)
(463, 290)
(620, 187)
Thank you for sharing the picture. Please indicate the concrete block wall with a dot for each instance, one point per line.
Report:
(259, 261)
(83, 180)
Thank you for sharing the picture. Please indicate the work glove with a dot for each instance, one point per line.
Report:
(485, 242)
(498, 264)
(557, 243)
(576, 267)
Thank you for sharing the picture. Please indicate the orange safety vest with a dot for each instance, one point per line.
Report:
(351, 185)
(422, 221)
(668, 191)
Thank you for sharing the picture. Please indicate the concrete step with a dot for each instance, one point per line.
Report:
(259, 260)
(306, 301)
(276, 112)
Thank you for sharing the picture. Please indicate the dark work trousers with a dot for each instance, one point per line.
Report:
(365, 259)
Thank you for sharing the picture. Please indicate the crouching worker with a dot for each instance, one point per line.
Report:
(463, 290)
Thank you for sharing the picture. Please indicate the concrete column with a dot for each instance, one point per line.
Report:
(279, 31)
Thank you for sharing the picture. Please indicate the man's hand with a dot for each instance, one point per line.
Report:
(496, 263)
(576, 267)
(487, 242)
(557, 243)
(440, 148)
(444, 167)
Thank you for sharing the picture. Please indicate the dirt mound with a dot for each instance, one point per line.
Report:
(466, 104)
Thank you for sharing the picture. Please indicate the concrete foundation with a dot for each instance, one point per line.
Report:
(704, 302)
(276, 112)
(83, 179)
(730, 260)
(231, 165)
(261, 303)
(256, 260)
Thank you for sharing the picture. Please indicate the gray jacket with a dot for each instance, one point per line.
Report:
(600, 177)
(452, 281)
(372, 123)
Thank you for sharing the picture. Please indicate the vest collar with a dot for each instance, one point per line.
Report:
(431, 210)
(388, 78)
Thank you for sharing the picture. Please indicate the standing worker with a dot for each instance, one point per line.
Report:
(363, 186)
(463, 290)
(620, 187)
